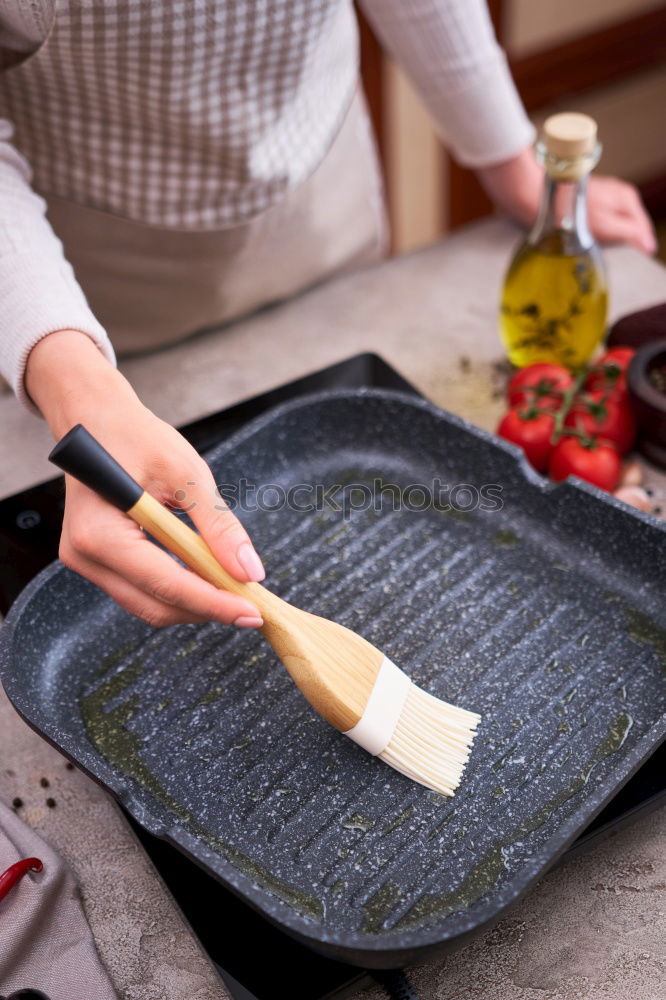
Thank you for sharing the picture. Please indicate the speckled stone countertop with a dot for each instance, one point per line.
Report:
(594, 927)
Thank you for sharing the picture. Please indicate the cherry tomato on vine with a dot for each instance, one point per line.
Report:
(609, 419)
(532, 431)
(621, 355)
(608, 374)
(592, 461)
(541, 385)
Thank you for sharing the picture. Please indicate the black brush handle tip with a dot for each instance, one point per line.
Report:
(83, 457)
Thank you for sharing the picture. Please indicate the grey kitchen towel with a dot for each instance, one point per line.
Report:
(45, 940)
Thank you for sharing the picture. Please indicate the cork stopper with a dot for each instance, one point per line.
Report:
(570, 145)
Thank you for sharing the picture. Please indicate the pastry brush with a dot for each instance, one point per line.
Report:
(348, 681)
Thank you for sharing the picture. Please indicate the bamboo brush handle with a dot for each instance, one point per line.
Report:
(83, 457)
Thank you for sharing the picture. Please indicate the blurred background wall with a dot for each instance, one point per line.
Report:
(603, 57)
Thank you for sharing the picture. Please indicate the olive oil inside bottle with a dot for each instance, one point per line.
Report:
(554, 302)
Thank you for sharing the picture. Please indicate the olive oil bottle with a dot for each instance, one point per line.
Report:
(555, 298)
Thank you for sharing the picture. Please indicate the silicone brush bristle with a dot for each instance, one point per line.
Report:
(431, 741)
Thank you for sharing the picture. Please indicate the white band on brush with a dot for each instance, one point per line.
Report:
(376, 726)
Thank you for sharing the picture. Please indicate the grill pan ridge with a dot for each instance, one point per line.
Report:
(547, 616)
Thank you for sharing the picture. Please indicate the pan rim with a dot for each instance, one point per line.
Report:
(413, 941)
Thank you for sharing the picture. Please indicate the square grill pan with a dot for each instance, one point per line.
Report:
(547, 616)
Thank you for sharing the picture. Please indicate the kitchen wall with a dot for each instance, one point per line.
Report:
(530, 25)
(629, 107)
(632, 123)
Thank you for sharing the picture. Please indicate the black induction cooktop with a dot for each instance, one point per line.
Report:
(256, 960)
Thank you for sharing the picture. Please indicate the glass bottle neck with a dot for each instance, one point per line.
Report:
(562, 217)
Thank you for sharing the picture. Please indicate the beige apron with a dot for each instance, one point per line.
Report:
(153, 284)
(150, 286)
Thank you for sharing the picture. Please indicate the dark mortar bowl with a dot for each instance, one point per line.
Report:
(648, 402)
(639, 328)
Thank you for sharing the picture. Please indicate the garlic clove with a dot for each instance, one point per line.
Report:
(635, 496)
(632, 473)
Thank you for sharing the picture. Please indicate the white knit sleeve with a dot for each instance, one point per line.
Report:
(38, 290)
(449, 49)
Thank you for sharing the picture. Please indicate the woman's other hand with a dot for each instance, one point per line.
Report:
(71, 382)
(616, 212)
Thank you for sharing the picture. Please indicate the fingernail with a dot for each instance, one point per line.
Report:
(245, 621)
(251, 562)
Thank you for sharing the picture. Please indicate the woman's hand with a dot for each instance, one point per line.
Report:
(71, 382)
(616, 212)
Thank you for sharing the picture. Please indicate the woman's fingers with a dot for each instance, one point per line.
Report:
(159, 575)
(617, 214)
(134, 600)
(221, 529)
(634, 209)
(107, 542)
(617, 228)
